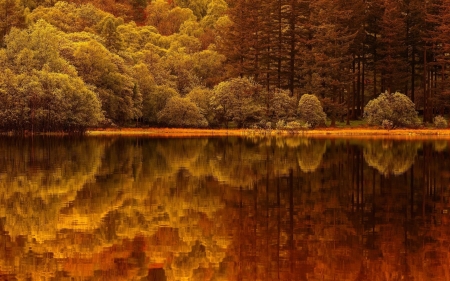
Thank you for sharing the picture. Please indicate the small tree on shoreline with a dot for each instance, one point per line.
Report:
(396, 108)
(310, 110)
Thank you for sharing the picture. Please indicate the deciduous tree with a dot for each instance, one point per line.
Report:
(396, 108)
(11, 15)
(310, 110)
(235, 100)
(181, 112)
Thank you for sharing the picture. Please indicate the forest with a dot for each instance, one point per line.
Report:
(69, 66)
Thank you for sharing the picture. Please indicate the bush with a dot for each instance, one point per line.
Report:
(293, 125)
(310, 111)
(397, 108)
(280, 125)
(440, 122)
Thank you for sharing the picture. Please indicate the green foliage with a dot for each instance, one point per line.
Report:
(36, 47)
(310, 111)
(11, 15)
(155, 101)
(279, 105)
(440, 122)
(208, 66)
(45, 101)
(178, 46)
(236, 100)
(202, 98)
(14, 107)
(112, 78)
(181, 112)
(132, 69)
(63, 15)
(293, 126)
(108, 30)
(216, 9)
(280, 124)
(199, 7)
(397, 108)
(167, 20)
(41, 90)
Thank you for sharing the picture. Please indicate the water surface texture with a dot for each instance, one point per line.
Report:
(224, 209)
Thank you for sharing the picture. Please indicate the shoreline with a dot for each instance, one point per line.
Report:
(365, 133)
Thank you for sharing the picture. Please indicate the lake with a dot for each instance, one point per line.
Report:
(225, 208)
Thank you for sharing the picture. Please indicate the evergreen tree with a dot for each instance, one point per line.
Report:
(438, 64)
(393, 64)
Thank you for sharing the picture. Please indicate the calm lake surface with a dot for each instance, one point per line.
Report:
(224, 209)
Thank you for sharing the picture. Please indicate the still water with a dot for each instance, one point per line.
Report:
(224, 209)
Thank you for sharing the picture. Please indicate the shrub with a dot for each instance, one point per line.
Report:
(280, 125)
(397, 108)
(310, 111)
(296, 125)
(440, 122)
(293, 125)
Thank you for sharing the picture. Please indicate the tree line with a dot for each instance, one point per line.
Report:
(345, 51)
(67, 66)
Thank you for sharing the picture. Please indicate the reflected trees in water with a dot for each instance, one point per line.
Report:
(440, 145)
(223, 208)
(40, 177)
(310, 153)
(391, 157)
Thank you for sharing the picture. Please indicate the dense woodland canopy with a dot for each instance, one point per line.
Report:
(72, 65)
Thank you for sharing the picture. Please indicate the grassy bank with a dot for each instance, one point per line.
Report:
(322, 132)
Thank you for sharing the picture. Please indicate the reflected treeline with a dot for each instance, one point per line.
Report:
(39, 176)
(284, 208)
(391, 157)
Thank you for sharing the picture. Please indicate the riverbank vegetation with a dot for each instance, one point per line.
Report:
(70, 66)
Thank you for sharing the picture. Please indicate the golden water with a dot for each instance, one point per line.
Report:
(223, 209)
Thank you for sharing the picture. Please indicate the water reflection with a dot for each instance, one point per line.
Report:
(310, 153)
(391, 157)
(223, 209)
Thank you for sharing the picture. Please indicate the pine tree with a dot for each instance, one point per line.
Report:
(240, 42)
(438, 41)
(331, 47)
(415, 20)
(393, 65)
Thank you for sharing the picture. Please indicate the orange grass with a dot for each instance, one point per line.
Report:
(322, 132)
